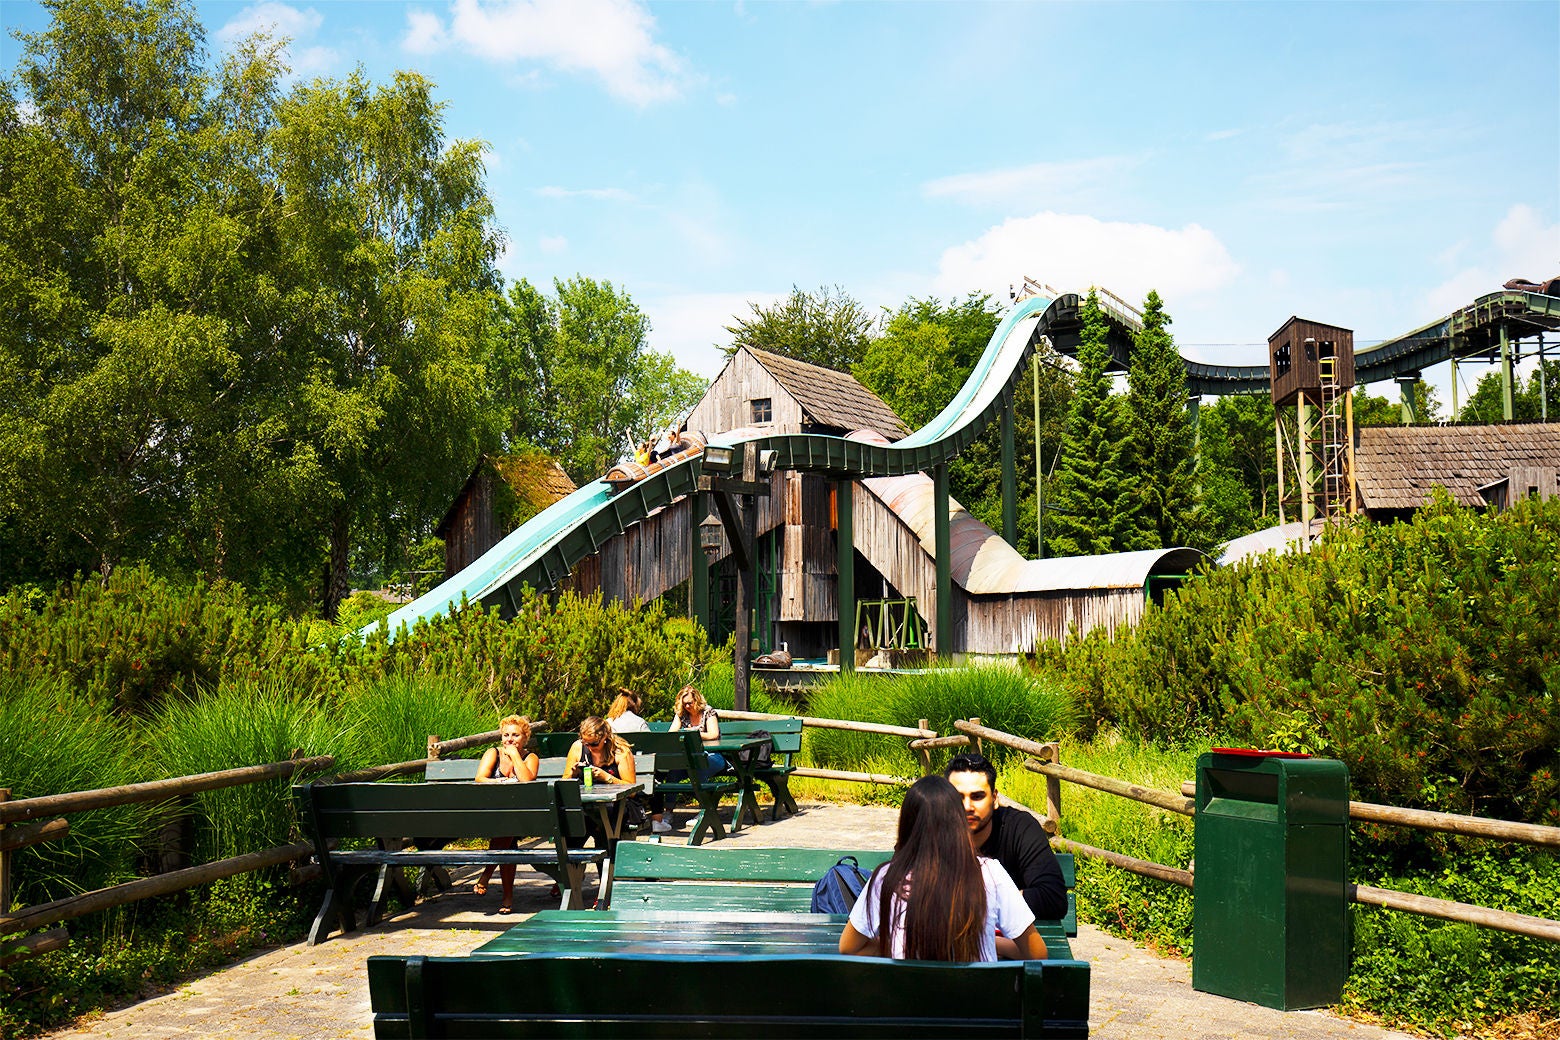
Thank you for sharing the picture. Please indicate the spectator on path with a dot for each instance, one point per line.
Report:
(509, 762)
(935, 900)
(1010, 836)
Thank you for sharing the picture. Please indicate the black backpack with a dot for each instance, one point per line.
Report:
(764, 752)
(836, 891)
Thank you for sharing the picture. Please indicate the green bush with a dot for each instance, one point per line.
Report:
(1425, 655)
(1453, 978)
(390, 720)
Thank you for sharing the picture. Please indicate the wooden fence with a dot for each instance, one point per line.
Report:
(28, 821)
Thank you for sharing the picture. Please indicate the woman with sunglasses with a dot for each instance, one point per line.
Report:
(511, 762)
(611, 760)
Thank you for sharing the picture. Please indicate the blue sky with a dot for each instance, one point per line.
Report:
(1369, 165)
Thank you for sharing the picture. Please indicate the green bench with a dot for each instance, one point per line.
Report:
(744, 997)
(683, 751)
(669, 877)
(786, 736)
(389, 813)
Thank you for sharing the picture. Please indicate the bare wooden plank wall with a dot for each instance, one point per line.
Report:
(1018, 624)
(728, 404)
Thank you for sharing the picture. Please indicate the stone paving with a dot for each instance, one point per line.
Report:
(306, 992)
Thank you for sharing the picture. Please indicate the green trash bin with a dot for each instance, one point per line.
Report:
(1269, 906)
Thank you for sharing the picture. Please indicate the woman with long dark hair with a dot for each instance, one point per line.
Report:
(936, 900)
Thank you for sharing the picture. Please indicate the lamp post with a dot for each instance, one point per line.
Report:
(730, 471)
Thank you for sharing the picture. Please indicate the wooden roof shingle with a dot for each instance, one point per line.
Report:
(830, 398)
(1395, 467)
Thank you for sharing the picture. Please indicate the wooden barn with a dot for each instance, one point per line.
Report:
(502, 492)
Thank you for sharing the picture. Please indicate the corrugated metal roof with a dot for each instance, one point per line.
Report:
(831, 398)
(1395, 467)
(984, 564)
(1280, 539)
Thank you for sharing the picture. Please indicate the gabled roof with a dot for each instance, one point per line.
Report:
(830, 398)
(1396, 466)
(534, 476)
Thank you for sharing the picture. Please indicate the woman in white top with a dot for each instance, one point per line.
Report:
(624, 713)
(941, 902)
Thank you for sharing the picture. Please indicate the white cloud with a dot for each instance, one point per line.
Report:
(553, 191)
(1073, 252)
(552, 243)
(1522, 245)
(1222, 135)
(692, 326)
(613, 40)
(284, 21)
(1049, 184)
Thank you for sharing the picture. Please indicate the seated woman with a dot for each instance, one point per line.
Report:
(936, 900)
(509, 762)
(691, 711)
(624, 717)
(612, 761)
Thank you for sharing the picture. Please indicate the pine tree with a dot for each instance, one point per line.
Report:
(1089, 504)
(1162, 449)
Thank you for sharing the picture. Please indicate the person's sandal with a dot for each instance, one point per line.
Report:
(480, 888)
(506, 909)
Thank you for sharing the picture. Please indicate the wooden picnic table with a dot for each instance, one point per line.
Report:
(692, 933)
(733, 748)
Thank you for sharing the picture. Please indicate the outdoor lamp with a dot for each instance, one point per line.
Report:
(709, 534)
(719, 457)
(766, 462)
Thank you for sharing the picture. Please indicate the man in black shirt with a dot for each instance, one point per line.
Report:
(1010, 836)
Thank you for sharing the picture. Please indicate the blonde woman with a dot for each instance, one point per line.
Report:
(510, 762)
(624, 713)
(610, 759)
(692, 711)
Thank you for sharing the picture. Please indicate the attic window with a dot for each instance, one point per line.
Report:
(762, 412)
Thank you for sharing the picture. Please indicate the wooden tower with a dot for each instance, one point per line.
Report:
(1311, 367)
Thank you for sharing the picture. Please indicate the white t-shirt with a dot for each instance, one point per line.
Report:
(628, 722)
(1005, 909)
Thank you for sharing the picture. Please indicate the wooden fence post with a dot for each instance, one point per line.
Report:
(433, 747)
(979, 750)
(925, 753)
(1053, 793)
(5, 862)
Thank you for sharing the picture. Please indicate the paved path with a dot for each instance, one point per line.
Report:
(321, 991)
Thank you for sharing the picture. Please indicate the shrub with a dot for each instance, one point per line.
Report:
(1425, 655)
(390, 719)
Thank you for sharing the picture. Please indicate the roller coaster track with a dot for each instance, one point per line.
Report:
(543, 551)
(1470, 331)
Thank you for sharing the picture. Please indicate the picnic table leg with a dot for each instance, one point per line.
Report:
(780, 788)
(612, 824)
(708, 819)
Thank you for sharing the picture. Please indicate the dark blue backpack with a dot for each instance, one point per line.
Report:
(836, 891)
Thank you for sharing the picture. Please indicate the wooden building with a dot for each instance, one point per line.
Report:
(1295, 353)
(501, 493)
(1396, 467)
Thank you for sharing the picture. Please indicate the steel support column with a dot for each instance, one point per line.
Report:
(1009, 477)
(943, 544)
(1508, 402)
(699, 579)
(1408, 397)
(845, 564)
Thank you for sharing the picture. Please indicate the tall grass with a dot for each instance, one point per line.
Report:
(55, 740)
(1145, 909)
(390, 719)
(1002, 697)
(242, 724)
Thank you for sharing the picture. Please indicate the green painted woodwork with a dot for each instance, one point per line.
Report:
(1009, 476)
(786, 736)
(610, 995)
(684, 751)
(845, 568)
(943, 539)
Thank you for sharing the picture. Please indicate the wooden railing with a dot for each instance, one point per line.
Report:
(1044, 761)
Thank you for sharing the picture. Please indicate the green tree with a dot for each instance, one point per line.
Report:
(1487, 403)
(1370, 410)
(1163, 458)
(579, 378)
(390, 297)
(136, 228)
(827, 328)
(1091, 502)
(1238, 466)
